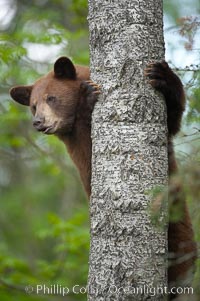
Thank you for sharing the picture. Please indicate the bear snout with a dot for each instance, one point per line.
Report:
(38, 122)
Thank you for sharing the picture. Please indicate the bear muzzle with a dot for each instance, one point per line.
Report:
(39, 125)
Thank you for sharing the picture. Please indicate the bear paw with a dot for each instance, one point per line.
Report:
(89, 92)
(159, 75)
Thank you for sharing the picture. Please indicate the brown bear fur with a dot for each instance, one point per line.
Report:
(62, 103)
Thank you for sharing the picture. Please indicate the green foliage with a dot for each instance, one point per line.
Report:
(68, 244)
(193, 115)
(159, 197)
(79, 7)
(43, 210)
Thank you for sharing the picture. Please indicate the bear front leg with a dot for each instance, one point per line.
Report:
(164, 80)
(89, 92)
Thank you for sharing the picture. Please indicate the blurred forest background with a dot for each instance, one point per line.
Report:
(44, 221)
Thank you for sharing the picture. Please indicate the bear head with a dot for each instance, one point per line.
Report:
(52, 99)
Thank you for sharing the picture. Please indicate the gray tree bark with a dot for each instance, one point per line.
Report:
(128, 254)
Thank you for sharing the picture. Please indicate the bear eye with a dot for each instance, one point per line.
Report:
(51, 99)
(33, 109)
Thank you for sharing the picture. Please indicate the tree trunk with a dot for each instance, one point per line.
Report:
(129, 151)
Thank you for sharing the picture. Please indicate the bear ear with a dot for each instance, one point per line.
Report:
(21, 94)
(64, 68)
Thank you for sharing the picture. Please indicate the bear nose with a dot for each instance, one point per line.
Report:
(38, 121)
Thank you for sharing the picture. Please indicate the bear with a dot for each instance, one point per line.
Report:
(62, 103)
